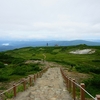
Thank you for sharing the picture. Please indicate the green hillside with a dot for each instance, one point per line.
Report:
(13, 63)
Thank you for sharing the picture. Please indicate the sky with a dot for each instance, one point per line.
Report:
(49, 19)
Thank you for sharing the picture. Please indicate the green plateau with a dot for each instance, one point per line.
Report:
(14, 66)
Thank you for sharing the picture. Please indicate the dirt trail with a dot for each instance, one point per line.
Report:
(49, 87)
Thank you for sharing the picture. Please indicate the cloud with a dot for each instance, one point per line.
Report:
(5, 44)
(49, 19)
(48, 3)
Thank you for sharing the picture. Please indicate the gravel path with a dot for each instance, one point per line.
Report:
(49, 87)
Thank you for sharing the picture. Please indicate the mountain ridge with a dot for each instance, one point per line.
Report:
(9, 45)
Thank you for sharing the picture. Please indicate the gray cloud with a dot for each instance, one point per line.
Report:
(50, 19)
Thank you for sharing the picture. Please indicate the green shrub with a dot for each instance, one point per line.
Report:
(96, 60)
(87, 69)
(95, 81)
(95, 70)
(93, 85)
(82, 68)
(20, 70)
(3, 78)
(9, 94)
(2, 65)
(4, 74)
(24, 69)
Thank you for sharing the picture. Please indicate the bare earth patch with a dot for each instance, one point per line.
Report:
(79, 77)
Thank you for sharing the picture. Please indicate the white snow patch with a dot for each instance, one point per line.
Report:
(5, 44)
(84, 51)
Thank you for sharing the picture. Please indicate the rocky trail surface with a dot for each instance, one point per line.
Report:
(49, 87)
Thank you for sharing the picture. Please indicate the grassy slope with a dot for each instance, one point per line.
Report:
(88, 63)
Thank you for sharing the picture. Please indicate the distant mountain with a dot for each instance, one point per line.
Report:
(9, 45)
(74, 42)
(5, 48)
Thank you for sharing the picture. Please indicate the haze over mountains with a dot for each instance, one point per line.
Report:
(9, 45)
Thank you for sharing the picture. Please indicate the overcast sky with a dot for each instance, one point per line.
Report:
(50, 19)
